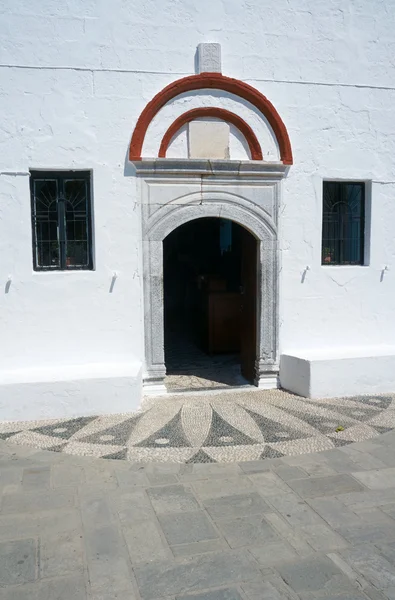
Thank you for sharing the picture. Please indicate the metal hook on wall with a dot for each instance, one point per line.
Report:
(307, 268)
(8, 284)
(384, 270)
(113, 280)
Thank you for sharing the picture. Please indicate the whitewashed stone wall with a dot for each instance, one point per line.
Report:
(74, 77)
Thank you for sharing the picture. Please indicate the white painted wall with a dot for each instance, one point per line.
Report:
(74, 78)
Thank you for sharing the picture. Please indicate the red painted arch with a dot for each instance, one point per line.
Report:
(220, 113)
(208, 81)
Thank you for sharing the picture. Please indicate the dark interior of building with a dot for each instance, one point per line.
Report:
(202, 296)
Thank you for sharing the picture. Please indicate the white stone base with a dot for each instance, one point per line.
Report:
(342, 372)
(72, 391)
(154, 388)
(268, 383)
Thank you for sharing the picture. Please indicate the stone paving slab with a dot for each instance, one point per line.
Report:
(314, 487)
(187, 528)
(80, 528)
(236, 506)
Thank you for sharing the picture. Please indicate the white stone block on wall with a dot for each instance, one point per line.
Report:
(70, 391)
(295, 375)
(208, 139)
(209, 58)
(339, 373)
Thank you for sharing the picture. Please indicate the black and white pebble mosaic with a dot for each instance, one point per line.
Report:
(224, 427)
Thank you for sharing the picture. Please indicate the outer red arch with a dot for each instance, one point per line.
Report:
(207, 81)
(220, 113)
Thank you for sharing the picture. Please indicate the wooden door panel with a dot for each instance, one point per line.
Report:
(224, 323)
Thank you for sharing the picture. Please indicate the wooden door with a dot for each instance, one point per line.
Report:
(224, 323)
(248, 334)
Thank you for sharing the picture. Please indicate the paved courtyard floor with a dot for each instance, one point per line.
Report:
(314, 526)
(209, 427)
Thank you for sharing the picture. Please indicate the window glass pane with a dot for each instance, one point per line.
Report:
(45, 222)
(343, 223)
(61, 220)
(77, 223)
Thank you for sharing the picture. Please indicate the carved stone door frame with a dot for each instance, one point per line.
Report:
(174, 192)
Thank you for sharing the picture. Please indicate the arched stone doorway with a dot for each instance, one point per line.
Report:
(210, 305)
(206, 169)
(177, 192)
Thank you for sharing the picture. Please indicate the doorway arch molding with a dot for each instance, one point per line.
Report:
(172, 197)
(211, 204)
(210, 81)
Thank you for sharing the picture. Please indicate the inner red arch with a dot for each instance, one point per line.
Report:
(220, 113)
(216, 81)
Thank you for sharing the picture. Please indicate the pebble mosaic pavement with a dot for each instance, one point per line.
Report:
(240, 425)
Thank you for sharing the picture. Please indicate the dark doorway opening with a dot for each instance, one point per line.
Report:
(210, 274)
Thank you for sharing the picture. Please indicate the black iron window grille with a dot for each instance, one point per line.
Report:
(343, 223)
(61, 220)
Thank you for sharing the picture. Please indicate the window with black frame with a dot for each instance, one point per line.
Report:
(61, 220)
(343, 223)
